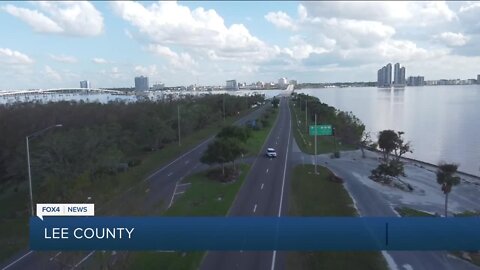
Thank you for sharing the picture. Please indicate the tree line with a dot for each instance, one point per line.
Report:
(99, 139)
(230, 144)
(348, 128)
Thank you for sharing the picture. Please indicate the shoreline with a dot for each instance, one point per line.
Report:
(412, 160)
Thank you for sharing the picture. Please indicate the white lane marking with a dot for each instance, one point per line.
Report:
(180, 157)
(56, 255)
(407, 267)
(261, 187)
(184, 184)
(84, 259)
(274, 256)
(266, 171)
(17, 260)
(173, 195)
(255, 208)
(180, 192)
(170, 174)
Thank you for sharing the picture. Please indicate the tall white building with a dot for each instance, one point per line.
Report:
(231, 85)
(141, 83)
(384, 76)
(282, 82)
(399, 75)
(84, 84)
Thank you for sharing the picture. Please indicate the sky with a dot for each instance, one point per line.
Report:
(57, 44)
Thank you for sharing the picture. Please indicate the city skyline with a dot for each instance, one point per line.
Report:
(183, 43)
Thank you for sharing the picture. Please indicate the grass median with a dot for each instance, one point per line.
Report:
(204, 197)
(255, 143)
(317, 195)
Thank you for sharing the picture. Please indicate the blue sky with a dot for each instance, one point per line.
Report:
(57, 44)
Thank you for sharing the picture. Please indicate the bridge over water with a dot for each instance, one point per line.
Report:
(10, 93)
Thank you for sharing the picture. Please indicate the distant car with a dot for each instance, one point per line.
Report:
(271, 153)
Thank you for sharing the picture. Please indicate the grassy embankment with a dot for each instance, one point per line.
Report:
(316, 195)
(200, 199)
(325, 144)
(110, 197)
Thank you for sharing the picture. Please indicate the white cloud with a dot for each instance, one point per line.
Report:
(392, 12)
(99, 60)
(452, 39)
(468, 15)
(52, 74)
(281, 20)
(169, 23)
(357, 10)
(149, 71)
(301, 49)
(406, 50)
(469, 6)
(355, 33)
(38, 21)
(70, 18)
(63, 58)
(8, 56)
(177, 60)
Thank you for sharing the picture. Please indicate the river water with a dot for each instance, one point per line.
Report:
(442, 122)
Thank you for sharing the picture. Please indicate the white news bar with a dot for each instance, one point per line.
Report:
(65, 209)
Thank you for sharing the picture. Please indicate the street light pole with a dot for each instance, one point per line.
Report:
(223, 108)
(315, 143)
(27, 138)
(178, 124)
(29, 177)
(306, 118)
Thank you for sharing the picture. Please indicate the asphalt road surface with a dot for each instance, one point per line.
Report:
(161, 184)
(264, 193)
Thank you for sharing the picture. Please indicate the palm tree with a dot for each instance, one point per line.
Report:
(447, 178)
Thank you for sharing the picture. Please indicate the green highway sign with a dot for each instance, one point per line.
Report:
(321, 130)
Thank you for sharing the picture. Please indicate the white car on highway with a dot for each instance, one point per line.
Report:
(271, 153)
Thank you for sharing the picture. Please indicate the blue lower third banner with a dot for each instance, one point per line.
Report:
(254, 233)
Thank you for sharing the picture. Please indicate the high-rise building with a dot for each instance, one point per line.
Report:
(282, 82)
(231, 85)
(84, 84)
(141, 83)
(380, 77)
(416, 81)
(396, 74)
(402, 76)
(384, 76)
(399, 75)
(388, 75)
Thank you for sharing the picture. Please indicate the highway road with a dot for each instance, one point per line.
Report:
(264, 193)
(161, 184)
